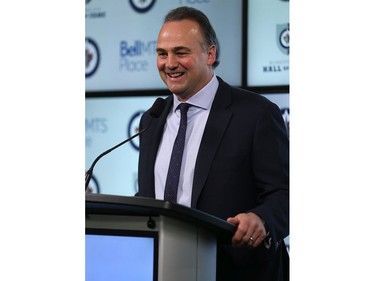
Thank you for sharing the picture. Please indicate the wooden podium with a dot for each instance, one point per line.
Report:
(185, 238)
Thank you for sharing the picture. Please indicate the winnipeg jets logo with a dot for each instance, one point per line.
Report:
(282, 31)
(142, 6)
(92, 57)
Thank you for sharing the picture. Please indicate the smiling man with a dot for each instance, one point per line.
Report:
(184, 59)
(233, 160)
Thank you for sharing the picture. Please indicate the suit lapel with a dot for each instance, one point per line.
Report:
(217, 123)
(152, 146)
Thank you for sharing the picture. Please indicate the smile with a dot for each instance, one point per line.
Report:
(175, 75)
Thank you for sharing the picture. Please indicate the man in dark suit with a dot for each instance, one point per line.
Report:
(235, 163)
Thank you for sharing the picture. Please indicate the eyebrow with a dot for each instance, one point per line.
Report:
(175, 49)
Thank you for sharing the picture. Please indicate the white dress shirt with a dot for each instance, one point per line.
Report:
(197, 117)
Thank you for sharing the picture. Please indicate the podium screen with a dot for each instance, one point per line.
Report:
(120, 255)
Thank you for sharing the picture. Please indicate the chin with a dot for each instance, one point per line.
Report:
(173, 90)
(173, 87)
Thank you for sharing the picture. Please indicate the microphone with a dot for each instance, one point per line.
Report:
(155, 112)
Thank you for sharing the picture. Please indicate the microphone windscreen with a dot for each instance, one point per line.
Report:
(157, 108)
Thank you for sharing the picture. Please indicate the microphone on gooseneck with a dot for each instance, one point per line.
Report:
(155, 112)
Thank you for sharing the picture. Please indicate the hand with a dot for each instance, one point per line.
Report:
(250, 230)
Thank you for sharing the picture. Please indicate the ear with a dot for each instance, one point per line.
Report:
(211, 52)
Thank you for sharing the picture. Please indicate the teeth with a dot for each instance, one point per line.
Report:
(175, 75)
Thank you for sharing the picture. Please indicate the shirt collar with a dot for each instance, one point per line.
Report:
(204, 97)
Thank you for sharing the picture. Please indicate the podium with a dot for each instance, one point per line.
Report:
(180, 242)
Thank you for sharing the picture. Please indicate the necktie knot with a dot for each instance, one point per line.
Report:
(184, 107)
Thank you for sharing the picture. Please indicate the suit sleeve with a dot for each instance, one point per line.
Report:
(271, 171)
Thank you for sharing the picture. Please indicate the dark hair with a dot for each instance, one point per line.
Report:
(182, 13)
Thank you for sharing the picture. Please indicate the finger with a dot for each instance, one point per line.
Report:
(258, 236)
(250, 230)
(232, 220)
(251, 242)
(253, 237)
(242, 235)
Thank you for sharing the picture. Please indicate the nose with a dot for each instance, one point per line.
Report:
(171, 62)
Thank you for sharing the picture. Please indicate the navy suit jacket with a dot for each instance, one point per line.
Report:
(242, 166)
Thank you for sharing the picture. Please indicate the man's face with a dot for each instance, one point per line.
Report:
(183, 63)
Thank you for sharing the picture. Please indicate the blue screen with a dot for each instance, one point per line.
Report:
(118, 258)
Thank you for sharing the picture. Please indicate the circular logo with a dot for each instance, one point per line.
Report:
(142, 6)
(92, 57)
(284, 38)
(133, 128)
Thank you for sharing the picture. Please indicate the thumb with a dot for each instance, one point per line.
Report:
(233, 220)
